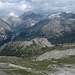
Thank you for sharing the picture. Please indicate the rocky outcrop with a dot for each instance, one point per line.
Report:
(20, 48)
(40, 42)
(55, 54)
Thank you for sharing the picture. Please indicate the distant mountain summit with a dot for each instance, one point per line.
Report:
(67, 15)
(25, 20)
(55, 27)
(32, 15)
(58, 28)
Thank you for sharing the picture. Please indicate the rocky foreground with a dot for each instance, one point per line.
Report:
(56, 62)
(66, 69)
(37, 57)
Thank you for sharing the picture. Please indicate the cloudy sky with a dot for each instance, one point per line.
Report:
(17, 7)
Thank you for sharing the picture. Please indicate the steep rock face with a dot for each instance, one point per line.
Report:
(13, 21)
(5, 31)
(4, 25)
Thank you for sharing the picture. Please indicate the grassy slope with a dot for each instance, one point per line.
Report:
(32, 52)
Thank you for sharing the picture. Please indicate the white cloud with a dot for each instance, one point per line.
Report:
(20, 6)
(53, 5)
(37, 1)
(23, 7)
(2, 5)
(17, 7)
(12, 14)
(10, 1)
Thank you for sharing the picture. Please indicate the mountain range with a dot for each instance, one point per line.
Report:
(35, 44)
(57, 28)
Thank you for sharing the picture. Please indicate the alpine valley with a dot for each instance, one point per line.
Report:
(37, 44)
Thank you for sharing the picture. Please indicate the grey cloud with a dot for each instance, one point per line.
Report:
(11, 1)
(41, 6)
(45, 6)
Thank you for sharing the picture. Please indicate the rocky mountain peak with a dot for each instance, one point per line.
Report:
(33, 15)
(53, 16)
(67, 15)
(43, 42)
(29, 13)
